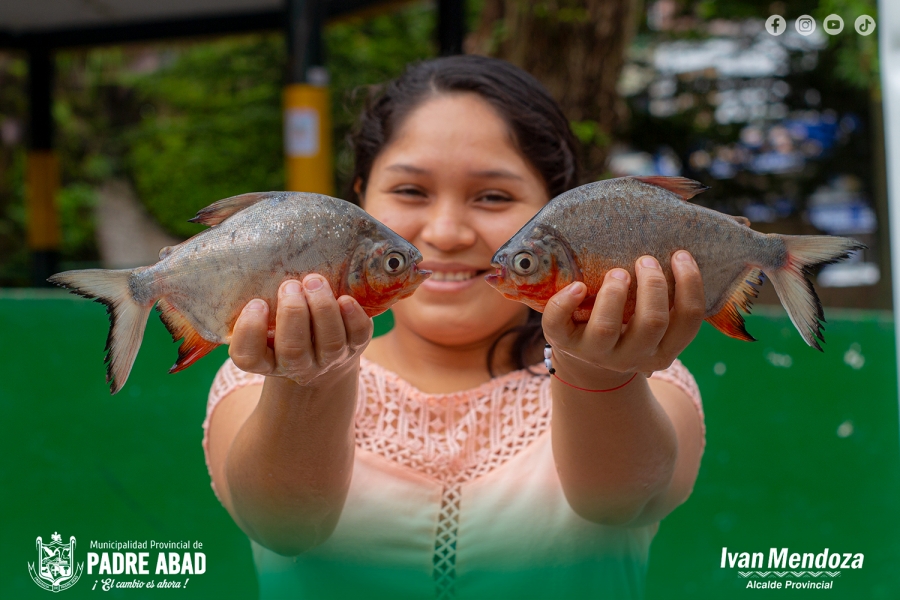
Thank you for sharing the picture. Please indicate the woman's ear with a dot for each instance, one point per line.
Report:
(357, 189)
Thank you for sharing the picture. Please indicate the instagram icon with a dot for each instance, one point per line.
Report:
(805, 25)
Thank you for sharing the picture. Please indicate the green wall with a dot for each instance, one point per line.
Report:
(802, 456)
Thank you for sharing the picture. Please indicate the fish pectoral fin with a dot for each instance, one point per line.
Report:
(217, 212)
(682, 186)
(729, 320)
(741, 220)
(194, 347)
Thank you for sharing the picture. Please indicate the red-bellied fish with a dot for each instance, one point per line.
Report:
(583, 233)
(254, 243)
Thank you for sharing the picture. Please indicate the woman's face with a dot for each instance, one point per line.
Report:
(453, 183)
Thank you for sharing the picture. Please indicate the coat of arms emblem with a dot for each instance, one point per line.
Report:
(55, 569)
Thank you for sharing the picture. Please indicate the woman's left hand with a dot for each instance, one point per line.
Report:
(602, 353)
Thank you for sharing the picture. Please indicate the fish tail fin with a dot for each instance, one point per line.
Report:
(792, 284)
(127, 318)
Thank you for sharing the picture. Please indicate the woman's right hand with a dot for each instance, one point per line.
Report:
(315, 333)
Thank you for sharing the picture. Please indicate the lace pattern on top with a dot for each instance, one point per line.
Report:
(451, 438)
(444, 558)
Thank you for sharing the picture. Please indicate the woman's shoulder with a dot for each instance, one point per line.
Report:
(679, 375)
(228, 379)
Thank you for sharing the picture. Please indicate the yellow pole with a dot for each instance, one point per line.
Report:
(307, 139)
(42, 184)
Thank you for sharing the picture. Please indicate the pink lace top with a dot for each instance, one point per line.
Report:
(435, 473)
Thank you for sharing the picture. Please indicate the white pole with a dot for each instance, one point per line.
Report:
(888, 32)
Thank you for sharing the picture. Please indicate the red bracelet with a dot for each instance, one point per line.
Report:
(548, 355)
(618, 387)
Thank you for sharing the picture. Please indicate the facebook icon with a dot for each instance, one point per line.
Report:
(775, 25)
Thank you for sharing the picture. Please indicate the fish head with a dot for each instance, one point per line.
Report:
(383, 270)
(533, 266)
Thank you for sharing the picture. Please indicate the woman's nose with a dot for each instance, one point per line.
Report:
(447, 228)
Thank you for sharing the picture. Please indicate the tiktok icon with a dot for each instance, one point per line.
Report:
(865, 25)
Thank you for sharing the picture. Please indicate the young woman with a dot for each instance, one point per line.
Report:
(441, 459)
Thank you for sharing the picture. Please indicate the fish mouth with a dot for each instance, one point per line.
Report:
(420, 274)
(496, 279)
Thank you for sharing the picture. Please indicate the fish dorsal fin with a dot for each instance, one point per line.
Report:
(218, 211)
(741, 220)
(729, 320)
(681, 186)
(194, 347)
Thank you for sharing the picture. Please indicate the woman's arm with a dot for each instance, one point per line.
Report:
(630, 456)
(281, 454)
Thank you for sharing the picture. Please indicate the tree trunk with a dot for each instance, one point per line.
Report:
(576, 49)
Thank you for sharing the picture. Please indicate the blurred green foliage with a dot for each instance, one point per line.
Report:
(76, 203)
(210, 119)
(13, 106)
(857, 55)
(209, 128)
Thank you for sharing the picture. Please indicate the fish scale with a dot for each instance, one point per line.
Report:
(582, 234)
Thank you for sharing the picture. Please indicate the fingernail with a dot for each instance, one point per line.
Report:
(256, 305)
(649, 262)
(619, 274)
(683, 256)
(576, 288)
(347, 307)
(291, 288)
(313, 283)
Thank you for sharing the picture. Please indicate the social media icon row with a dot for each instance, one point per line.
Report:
(806, 25)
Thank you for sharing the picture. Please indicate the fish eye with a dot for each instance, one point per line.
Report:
(524, 263)
(394, 262)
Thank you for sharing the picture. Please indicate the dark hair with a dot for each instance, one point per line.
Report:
(538, 127)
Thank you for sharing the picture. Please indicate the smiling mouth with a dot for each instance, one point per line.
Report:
(457, 275)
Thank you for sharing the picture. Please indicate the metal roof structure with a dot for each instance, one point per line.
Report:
(68, 23)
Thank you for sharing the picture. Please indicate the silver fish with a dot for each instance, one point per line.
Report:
(255, 242)
(583, 233)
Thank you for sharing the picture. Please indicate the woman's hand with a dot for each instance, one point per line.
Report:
(602, 353)
(315, 333)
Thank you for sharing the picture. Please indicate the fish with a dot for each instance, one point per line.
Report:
(583, 233)
(254, 242)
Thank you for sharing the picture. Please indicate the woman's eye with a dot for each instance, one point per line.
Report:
(494, 198)
(410, 192)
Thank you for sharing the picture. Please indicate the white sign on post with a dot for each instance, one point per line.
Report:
(301, 135)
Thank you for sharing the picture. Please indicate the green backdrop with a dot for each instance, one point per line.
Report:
(802, 452)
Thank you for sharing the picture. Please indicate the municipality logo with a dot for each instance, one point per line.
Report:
(55, 569)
